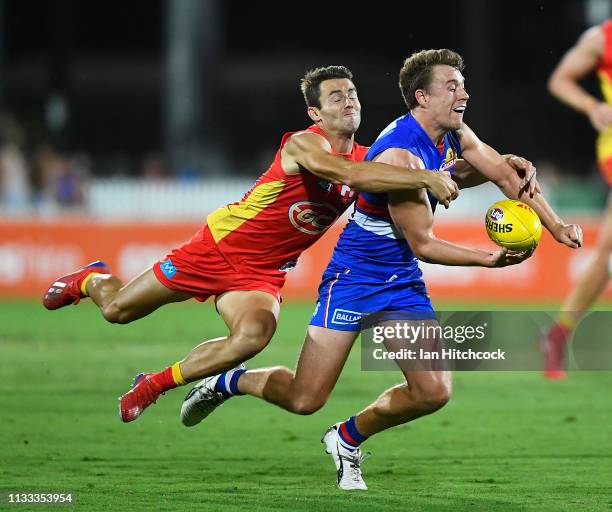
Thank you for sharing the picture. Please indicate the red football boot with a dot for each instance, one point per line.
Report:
(66, 290)
(553, 346)
(144, 392)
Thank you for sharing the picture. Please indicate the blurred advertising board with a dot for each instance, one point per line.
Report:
(33, 253)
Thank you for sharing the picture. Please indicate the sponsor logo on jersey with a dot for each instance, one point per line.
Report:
(496, 214)
(449, 160)
(345, 317)
(168, 268)
(312, 218)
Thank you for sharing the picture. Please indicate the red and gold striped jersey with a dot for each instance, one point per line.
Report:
(604, 72)
(604, 69)
(280, 216)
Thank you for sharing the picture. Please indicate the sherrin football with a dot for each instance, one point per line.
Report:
(513, 225)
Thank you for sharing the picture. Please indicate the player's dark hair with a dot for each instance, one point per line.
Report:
(417, 71)
(311, 82)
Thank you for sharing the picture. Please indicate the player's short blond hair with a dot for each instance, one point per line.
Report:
(417, 71)
(311, 82)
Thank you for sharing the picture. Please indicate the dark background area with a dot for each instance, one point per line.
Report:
(108, 60)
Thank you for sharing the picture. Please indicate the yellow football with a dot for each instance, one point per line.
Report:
(514, 225)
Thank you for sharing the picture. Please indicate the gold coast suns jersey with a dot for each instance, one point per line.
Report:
(280, 216)
(604, 73)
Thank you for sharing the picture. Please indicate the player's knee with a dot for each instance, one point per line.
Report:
(250, 339)
(114, 313)
(307, 405)
(435, 397)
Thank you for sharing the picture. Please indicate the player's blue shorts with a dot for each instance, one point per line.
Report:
(347, 296)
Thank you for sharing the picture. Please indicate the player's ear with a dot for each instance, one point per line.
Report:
(313, 113)
(422, 97)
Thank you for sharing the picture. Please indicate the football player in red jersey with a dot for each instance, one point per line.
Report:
(242, 254)
(592, 52)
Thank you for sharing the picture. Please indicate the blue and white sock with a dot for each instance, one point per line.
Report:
(349, 436)
(227, 383)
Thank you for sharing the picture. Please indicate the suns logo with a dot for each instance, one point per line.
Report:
(496, 214)
(312, 218)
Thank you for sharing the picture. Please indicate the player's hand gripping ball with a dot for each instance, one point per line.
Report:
(513, 225)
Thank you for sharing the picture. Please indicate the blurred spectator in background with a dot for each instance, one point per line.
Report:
(15, 190)
(61, 180)
(153, 167)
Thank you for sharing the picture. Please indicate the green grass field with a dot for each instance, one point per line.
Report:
(506, 441)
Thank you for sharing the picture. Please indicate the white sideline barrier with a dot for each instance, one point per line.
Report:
(161, 200)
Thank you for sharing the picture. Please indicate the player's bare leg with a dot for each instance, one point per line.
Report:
(121, 303)
(251, 317)
(118, 303)
(591, 283)
(427, 388)
(422, 394)
(321, 360)
(594, 278)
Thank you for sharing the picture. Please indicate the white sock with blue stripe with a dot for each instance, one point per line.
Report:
(227, 383)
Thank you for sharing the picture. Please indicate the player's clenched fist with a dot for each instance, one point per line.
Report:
(568, 234)
(443, 188)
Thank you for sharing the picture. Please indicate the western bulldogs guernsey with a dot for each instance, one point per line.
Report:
(373, 268)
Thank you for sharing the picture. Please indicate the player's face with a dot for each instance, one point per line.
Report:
(447, 97)
(340, 108)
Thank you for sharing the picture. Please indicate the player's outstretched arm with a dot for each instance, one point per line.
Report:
(492, 165)
(412, 214)
(581, 60)
(312, 152)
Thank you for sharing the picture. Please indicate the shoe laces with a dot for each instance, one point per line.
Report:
(355, 462)
(209, 399)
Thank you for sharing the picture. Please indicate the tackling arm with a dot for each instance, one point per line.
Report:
(312, 152)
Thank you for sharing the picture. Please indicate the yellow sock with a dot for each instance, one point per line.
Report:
(567, 320)
(177, 375)
(84, 284)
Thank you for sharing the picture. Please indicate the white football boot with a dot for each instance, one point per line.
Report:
(348, 462)
(202, 400)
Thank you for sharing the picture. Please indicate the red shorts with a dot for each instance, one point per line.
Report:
(199, 268)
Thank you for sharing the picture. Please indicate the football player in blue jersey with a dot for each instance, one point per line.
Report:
(374, 267)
